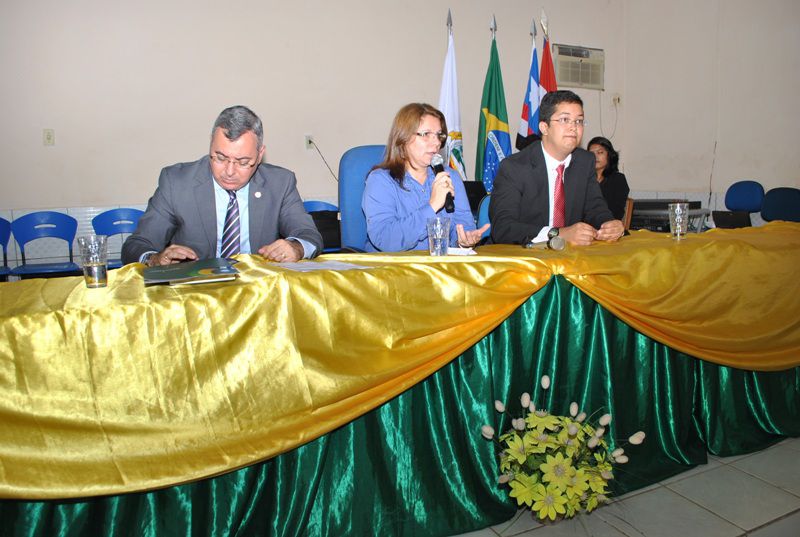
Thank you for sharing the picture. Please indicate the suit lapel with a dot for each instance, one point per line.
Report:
(204, 197)
(257, 204)
(540, 176)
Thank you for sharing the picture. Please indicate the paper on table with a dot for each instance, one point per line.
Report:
(461, 251)
(321, 265)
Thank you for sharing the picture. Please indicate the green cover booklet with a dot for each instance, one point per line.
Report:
(201, 271)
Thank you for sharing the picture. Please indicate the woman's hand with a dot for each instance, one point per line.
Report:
(442, 185)
(468, 239)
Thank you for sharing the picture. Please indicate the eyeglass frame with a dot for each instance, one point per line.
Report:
(566, 122)
(224, 159)
(441, 136)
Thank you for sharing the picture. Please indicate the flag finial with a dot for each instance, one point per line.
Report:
(493, 26)
(543, 22)
(533, 28)
(449, 20)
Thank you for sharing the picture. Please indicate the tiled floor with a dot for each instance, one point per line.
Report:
(755, 495)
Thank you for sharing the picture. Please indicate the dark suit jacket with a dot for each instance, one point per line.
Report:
(519, 205)
(182, 211)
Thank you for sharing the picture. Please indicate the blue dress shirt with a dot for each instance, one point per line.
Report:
(397, 216)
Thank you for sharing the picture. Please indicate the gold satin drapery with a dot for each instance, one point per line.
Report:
(131, 388)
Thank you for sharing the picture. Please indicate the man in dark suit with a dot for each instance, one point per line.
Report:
(531, 185)
(191, 211)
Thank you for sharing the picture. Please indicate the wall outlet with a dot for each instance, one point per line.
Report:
(615, 99)
(49, 137)
(309, 141)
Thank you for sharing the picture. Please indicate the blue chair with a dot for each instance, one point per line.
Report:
(114, 222)
(5, 234)
(312, 206)
(326, 218)
(483, 215)
(741, 199)
(744, 196)
(353, 169)
(40, 225)
(782, 203)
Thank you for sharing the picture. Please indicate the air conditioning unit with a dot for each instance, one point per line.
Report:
(579, 67)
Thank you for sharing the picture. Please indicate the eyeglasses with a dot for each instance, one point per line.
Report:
(565, 122)
(430, 135)
(242, 163)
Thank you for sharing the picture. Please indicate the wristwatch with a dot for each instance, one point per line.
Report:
(552, 233)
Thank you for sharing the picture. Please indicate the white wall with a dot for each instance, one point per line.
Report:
(132, 87)
(711, 93)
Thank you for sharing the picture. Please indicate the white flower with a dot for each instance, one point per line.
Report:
(602, 498)
(545, 382)
(525, 400)
(592, 443)
(617, 452)
(518, 424)
(605, 419)
(573, 409)
(532, 407)
(636, 438)
(572, 429)
(499, 406)
(504, 478)
(541, 413)
(622, 459)
(581, 417)
(487, 431)
(599, 432)
(605, 474)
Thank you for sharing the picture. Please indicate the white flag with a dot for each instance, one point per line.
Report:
(448, 105)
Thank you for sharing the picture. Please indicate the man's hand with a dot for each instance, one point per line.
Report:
(611, 231)
(174, 253)
(282, 251)
(580, 234)
(468, 239)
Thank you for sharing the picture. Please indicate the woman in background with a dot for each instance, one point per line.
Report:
(402, 192)
(612, 183)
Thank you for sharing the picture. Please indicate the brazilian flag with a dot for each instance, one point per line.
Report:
(494, 140)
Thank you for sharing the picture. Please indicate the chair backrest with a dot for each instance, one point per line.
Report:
(628, 215)
(312, 206)
(116, 221)
(483, 215)
(44, 224)
(353, 169)
(5, 234)
(782, 203)
(744, 196)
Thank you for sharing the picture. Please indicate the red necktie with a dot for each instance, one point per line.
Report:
(558, 198)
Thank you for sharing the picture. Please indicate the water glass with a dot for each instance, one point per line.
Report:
(94, 258)
(438, 235)
(678, 220)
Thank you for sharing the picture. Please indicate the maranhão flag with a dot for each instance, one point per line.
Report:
(529, 123)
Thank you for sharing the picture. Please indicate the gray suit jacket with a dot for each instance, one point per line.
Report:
(520, 204)
(182, 212)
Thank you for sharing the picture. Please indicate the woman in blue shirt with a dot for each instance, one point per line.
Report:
(402, 192)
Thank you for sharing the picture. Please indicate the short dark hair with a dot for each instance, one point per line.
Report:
(552, 99)
(237, 120)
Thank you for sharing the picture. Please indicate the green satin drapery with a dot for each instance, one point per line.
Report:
(418, 466)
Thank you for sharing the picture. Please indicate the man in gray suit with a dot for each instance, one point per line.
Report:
(187, 217)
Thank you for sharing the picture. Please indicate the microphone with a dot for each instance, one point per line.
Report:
(437, 163)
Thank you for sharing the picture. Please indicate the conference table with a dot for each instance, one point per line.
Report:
(348, 398)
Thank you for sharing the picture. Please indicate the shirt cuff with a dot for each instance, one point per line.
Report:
(144, 256)
(308, 248)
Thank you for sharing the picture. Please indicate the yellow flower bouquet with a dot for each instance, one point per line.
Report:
(557, 465)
